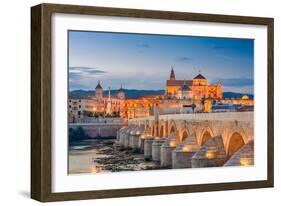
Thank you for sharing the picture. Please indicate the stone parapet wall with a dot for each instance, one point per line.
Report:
(98, 130)
(223, 116)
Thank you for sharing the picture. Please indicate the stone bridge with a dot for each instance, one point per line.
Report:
(193, 140)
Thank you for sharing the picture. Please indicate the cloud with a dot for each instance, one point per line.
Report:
(236, 82)
(144, 45)
(84, 77)
(183, 59)
(85, 71)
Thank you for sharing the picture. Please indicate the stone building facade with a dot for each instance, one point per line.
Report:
(196, 88)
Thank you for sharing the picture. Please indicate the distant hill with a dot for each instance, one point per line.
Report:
(130, 93)
(134, 93)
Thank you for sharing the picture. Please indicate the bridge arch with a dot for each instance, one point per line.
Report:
(172, 127)
(206, 134)
(152, 130)
(235, 142)
(161, 133)
(184, 135)
(146, 124)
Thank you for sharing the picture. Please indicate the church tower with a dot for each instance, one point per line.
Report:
(121, 93)
(99, 91)
(172, 74)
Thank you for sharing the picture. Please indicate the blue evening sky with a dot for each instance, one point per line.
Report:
(139, 61)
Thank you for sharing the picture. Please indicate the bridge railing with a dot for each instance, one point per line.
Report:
(142, 119)
(99, 124)
(224, 116)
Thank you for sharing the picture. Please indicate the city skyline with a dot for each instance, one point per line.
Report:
(140, 61)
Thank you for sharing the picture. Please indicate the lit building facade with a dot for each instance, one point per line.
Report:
(98, 105)
(245, 100)
(197, 88)
(181, 96)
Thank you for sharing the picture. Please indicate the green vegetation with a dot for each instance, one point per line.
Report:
(76, 134)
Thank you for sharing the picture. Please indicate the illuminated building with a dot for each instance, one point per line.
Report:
(181, 96)
(97, 106)
(245, 100)
(196, 88)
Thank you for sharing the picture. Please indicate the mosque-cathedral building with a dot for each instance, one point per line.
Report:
(197, 88)
(194, 95)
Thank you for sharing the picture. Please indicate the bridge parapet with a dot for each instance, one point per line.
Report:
(226, 116)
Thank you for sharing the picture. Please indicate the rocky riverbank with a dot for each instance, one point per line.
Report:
(95, 156)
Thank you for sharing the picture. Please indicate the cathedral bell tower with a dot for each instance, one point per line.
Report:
(172, 74)
(121, 93)
(99, 91)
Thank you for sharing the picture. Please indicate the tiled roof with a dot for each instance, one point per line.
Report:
(98, 86)
(199, 76)
(178, 82)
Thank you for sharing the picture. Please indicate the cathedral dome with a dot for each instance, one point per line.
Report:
(245, 97)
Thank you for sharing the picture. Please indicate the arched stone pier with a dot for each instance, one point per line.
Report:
(156, 148)
(123, 136)
(243, 157)
(148, 148)
(135, 136)
(192, 140)
(167, 148)
(211, 154)
(181, 156)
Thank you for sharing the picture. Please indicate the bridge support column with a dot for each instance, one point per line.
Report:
(122, 136)
(166, 156)
(211, 154)
(181, 159)
(156, 149)
(243, 157)
(141, 143)
(166, 150)
(181, 156)
(148, 148)
(134, 141)
(127, 139)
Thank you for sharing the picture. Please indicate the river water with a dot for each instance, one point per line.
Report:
(96, 156)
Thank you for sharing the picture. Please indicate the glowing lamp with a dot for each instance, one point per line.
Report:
(186, 148)
(173, 144)
(246, 160)
(211, 152)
